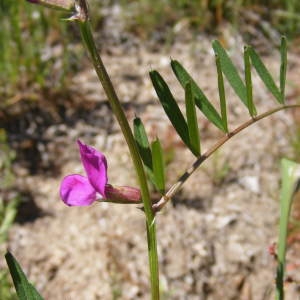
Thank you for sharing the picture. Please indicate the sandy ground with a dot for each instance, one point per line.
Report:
(213, 237)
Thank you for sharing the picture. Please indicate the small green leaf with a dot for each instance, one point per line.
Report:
(158, 165)
(222, 94)
(25, 290)
(170, 106)
(283, 67)
(192, 120)
(248, 80)
(142, 141)
(264, 74)
(230, 72)
(200, 99)
(290, 180)
(141, 138)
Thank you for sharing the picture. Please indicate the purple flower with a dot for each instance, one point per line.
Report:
(78, 190)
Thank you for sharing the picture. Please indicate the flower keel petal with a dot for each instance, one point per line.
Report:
(76, 190)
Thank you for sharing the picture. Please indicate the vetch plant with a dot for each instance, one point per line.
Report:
(147, 158)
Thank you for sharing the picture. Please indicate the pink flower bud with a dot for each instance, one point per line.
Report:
(122, 194)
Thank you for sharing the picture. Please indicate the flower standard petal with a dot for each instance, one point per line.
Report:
(76, 190)
(95, 165)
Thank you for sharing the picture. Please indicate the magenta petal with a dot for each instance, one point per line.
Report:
(76, 190)
(95, 165)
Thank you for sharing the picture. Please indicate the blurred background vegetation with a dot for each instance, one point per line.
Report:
(36, 45)
(146, 15)
(36, 51)
(39, 54)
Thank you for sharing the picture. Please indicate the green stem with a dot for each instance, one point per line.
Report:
(118, 111)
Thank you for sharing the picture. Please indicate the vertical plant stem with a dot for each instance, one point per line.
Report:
(126, 130)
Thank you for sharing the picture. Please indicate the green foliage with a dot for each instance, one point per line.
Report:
(288, 18)
(194, 96)
(192, 121)
(152, 157)
(230, 72)
(25, 290)
(7, 155)
(187, 130)
(142, 142)
(248, 81)
(294, 140)
(290, 174)
(222, 96)
(283, 66)
(170, 106)
(8, 207)
(9, 204)
(245, 91)
(158, 165)
(200, 99)
(8, 212)
(24, 63)
(6, 291)
(146, 16)
(16, 62)
(265, 76)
